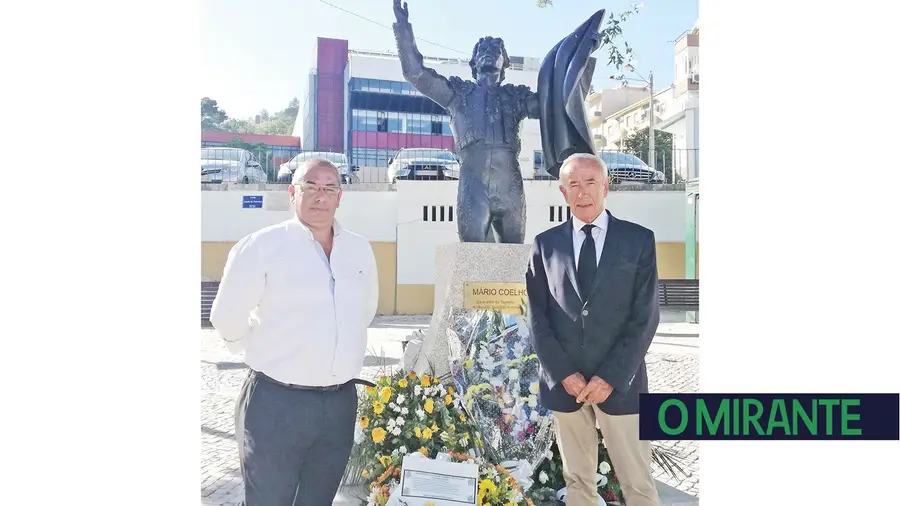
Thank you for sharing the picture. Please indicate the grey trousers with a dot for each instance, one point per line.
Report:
(293, 444)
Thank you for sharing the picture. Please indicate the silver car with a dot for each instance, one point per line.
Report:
(423, 164)
(348, 172)
(230, 165)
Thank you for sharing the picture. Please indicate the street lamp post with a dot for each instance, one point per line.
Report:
(651, 157)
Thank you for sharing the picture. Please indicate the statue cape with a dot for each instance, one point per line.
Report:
(561, 92)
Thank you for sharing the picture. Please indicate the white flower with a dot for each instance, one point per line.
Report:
(543, 477)
(549, 453)
(442, 390)
(534, 388)
(532, 401)
(401, 399)
(604, 467)
(535, 417)
(400, 421)
(418, 390)
(403, 450)
(513, 375)
(404, 411)
(420, 413)
(397, 431)
(390, 424)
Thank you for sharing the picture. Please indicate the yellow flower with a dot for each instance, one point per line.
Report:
(462, 417)
(448, 400)
(419, 432)
(423, 451)
(377, 407)
(429, 406)
(452, 427)
(426, 381)
(370, 390)
(364, 422)
(386, 394)
(385, 460)
(403, 383)
(378, 434)
(365, 474)
(383, 379)
(434, 427)
(451, 390)
(427, 433)
(412, 375)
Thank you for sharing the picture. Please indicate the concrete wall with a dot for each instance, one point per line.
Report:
(406, 226)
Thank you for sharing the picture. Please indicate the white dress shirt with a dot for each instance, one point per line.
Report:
(298, 317)
(601, 225)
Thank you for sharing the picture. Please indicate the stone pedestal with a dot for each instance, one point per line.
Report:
(456, 265)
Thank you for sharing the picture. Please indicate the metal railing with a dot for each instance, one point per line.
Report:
(388, 166)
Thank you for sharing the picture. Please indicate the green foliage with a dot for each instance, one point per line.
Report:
(211, 117)
(280, 123)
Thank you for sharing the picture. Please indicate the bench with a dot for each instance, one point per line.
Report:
(679, 294)
(208, 290)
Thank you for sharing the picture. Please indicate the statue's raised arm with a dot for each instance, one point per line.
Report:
(426, 80)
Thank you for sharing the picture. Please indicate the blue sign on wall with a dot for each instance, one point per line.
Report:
(252, 202)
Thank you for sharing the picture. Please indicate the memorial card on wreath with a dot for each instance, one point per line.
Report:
(426, 481)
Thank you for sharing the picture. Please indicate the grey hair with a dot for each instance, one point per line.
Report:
(301, 171)
(566, 166)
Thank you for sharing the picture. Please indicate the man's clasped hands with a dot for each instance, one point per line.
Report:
(594, 392)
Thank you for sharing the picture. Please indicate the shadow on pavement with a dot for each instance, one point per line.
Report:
(218, 433)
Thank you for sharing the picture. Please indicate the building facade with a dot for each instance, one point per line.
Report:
(357, 102)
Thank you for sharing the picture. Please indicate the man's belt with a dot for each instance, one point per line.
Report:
(328, 388)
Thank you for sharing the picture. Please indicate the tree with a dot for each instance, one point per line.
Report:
(280, 123)
(638, 144)
(610, 32)
(211, 117)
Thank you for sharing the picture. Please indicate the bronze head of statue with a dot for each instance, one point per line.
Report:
(489, 60)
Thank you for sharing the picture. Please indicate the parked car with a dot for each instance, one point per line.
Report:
(348, 172)
(621, 167)
(423, 164)
(230, 165)
(627, 167)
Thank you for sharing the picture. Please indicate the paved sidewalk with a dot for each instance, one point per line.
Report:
(672, 363)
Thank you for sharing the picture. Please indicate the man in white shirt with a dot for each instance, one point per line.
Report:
(593, 311)
(296, 298)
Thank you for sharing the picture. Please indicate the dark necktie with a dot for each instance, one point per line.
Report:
(587, 260)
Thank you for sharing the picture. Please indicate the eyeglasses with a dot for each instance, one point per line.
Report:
(310, 187)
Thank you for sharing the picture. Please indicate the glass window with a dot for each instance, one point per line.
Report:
(394, 124)
(397, 88)
(446, 126)
(231, 154)
(538, 160)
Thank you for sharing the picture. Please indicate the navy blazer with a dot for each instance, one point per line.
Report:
(604, 332)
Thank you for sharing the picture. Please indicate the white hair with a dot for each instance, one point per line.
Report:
(566, 166)
(301, 171)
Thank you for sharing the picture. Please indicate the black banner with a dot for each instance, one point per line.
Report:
(770, 416)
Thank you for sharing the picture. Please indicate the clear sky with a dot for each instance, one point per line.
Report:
(255, 53)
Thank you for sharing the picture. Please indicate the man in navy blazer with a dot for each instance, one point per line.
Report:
(593, 311)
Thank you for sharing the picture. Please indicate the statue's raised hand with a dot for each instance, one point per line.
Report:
(401, 12)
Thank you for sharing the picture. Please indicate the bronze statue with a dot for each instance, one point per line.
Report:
(485, 116)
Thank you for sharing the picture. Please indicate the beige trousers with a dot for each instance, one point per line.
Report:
(576, 436)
